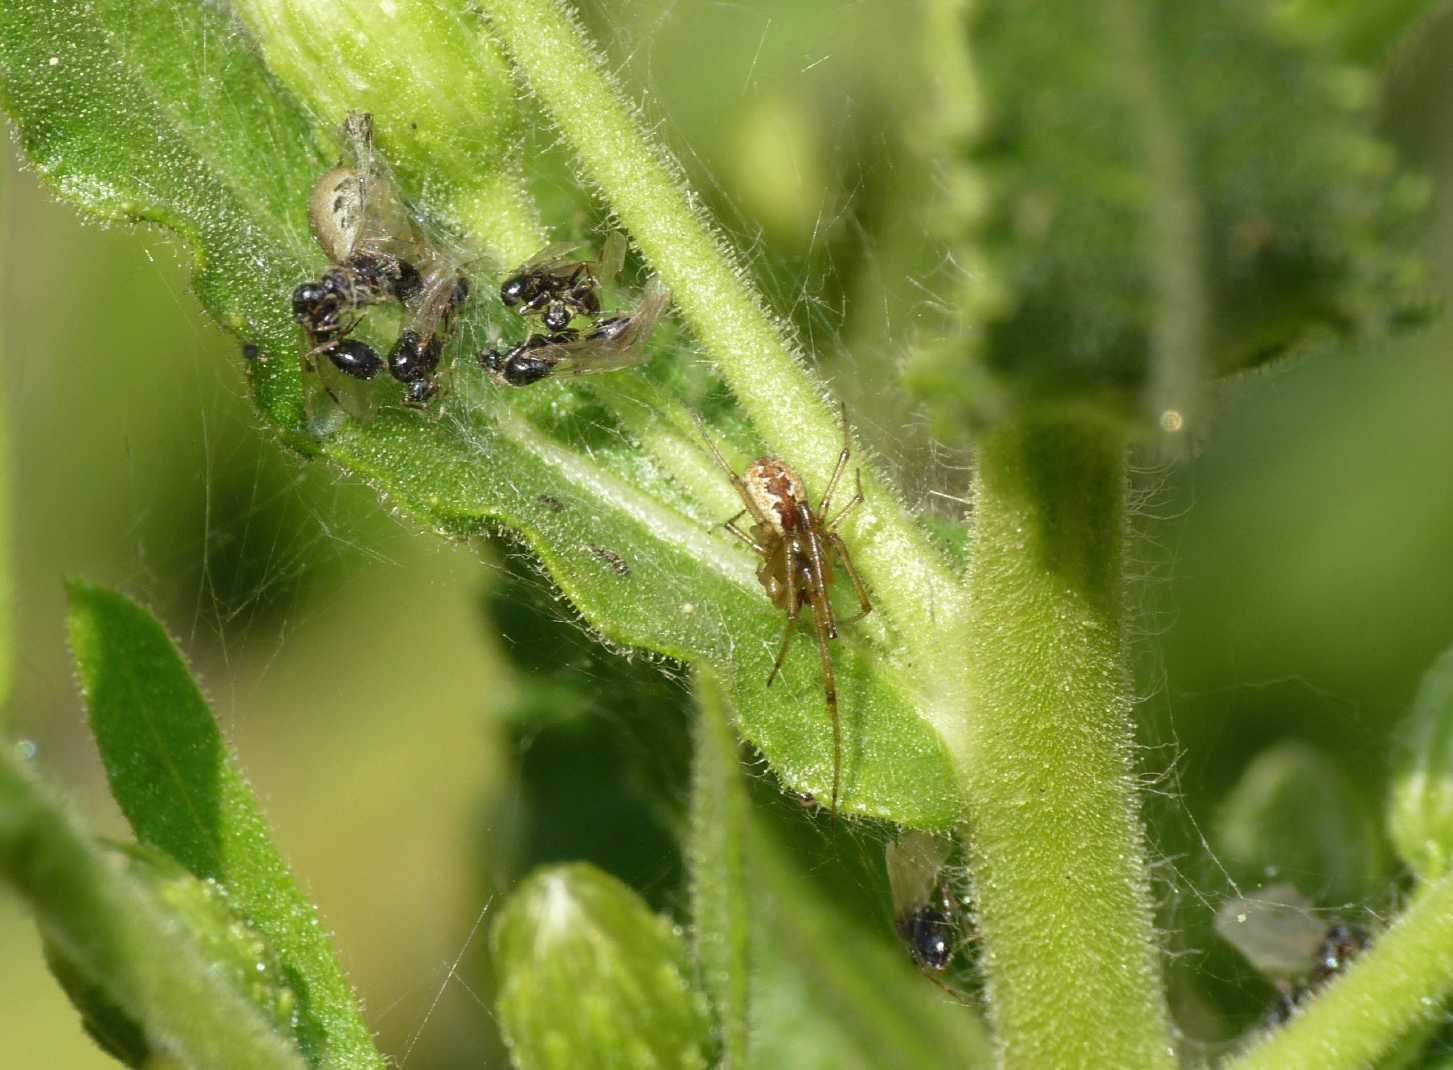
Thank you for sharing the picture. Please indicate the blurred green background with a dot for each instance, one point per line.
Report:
(1294, 579)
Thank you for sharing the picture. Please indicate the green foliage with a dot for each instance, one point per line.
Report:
(236, 951)
(1293, 814)
(606, 747)
(1047, 641)
(590, 977)
(182, 791)
(1420, 813)
(572, 471)
(720, 881)
(122, 936)
(1128, 236)
(1171, 193)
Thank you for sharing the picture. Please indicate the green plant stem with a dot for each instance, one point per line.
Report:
(720, 874)
(1057, 855)
(644, 188)
(1398, 986)
(124, 938)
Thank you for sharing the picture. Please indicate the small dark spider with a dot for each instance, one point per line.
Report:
(797, 545)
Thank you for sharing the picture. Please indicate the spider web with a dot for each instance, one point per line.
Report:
(273, 573)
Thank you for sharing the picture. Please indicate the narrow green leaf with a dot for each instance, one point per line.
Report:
(165, 113)
(126, 939)
(590, 977)
(1294, 814)
(1134, 235)
(1420, 814)
(720, 880)
(183, 792)
(234, 949)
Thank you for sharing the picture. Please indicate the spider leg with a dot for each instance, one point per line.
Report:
(731, 525)
(856, 501)
(822, 619)
(737, 484)
(837, 473)
(857, 581)
(787, 554)
(826, 628)
(782, 650)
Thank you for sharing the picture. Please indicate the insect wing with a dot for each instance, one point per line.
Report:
(614, 344)
(612, 258)
(555, 258)
(1275, 930)
(914, 862)
(329, 396)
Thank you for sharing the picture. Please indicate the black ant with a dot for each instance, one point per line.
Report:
(558, 288)
(612, 344)
(1297, 952)
(797, 545)
(366, 230)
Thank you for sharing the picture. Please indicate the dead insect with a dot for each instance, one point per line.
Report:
(415, 355)
(1278, 933)
(612, 344)
(797, 545)
(929, 916)
(925, 913)
(557, 288)
(379, 254)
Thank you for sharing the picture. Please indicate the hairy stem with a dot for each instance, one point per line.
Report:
(911, 584)
(1397, 987)
(1056, 849)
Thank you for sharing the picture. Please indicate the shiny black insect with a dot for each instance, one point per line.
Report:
(924, 910)
(415, 355)
(378, 255)
(929, 933)
(929, 918)
(1341, 943)
(613, 343)
(556, 288)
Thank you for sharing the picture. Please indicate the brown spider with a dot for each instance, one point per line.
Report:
(797, 547)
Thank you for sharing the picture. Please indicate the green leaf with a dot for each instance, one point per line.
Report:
(7, 591)
(590, 977)
(1363, 32)
(165, 113)
(1420, 814)
(183, 792)
(126, 939)
(451, 121)
(720, 879)
(236, 951)
(833, 985)
(1134, 233)
(1293, 813)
